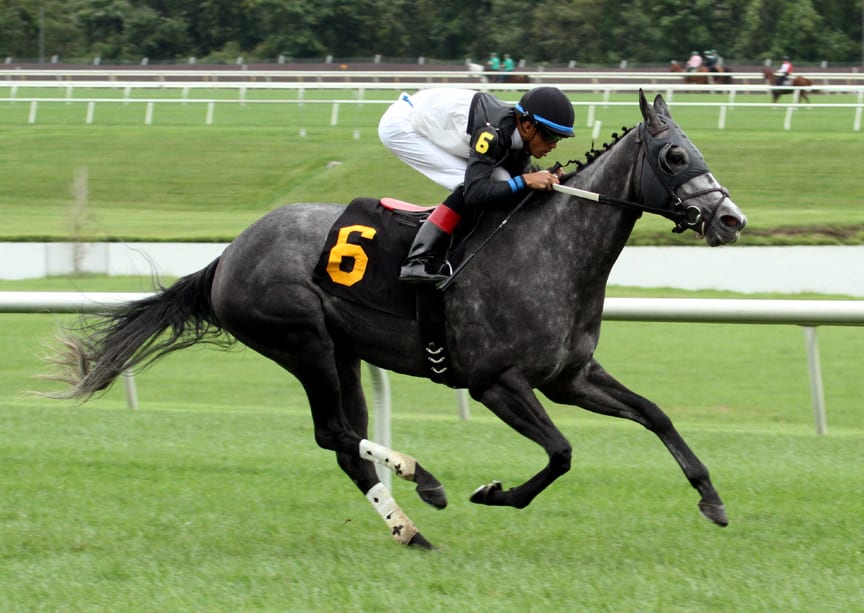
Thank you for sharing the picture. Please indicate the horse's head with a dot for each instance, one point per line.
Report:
(676, 182)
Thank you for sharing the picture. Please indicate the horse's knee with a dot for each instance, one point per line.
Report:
(560, 459)
(336, 440)
(325, 440)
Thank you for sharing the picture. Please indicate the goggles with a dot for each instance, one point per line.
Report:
(546, 134)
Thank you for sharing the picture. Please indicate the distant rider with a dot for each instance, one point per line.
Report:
(694, 62)
(782, 74)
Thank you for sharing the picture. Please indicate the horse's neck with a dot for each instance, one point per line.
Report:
(613, 174)
(574, 241)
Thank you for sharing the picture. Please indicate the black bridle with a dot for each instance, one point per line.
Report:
(658, 181)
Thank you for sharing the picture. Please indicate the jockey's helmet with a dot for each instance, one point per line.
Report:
(549, 107)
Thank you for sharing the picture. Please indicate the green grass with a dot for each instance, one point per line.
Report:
(213, 496)
(211, 510)
(179, 179)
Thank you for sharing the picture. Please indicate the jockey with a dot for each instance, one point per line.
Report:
(475, 145)
(784, 71)
(711, 59)
(694, 62)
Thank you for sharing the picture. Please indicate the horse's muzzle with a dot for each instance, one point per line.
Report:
(726, 224)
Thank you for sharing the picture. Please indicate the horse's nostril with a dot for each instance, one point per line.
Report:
(730, 221)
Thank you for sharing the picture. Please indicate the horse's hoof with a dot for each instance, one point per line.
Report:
(485, 493)
(419, 542)
(714, 512)
(434, 496)
(429, 488)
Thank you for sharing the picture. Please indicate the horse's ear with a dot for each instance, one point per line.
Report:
(661, 107)
(648, 113)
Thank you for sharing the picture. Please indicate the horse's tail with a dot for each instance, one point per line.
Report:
(136, 334)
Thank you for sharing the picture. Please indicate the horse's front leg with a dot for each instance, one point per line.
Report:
(596, 390)
(511, 398)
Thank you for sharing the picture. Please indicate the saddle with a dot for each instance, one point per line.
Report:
(360, 263)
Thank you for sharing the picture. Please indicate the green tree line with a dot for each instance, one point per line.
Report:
(559, 31)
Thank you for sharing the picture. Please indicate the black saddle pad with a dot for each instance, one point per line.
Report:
(363, 253)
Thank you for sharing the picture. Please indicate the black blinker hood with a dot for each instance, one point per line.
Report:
(658, 186)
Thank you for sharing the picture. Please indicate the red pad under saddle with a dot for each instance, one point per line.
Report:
(400, 205)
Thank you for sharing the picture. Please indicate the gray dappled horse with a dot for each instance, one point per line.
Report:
(524, 315)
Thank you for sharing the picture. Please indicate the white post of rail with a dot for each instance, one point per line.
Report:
(857, 123)
(462, 398)
(131, 389)
(816, 389)
(383, 435)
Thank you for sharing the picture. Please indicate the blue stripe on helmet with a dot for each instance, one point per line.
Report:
(568, 130)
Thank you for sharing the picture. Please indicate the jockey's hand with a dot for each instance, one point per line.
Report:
(542, 179)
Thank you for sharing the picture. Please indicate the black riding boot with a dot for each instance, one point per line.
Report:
(416, 267)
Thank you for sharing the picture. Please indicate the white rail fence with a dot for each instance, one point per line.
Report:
(806, 313)
(81, 91)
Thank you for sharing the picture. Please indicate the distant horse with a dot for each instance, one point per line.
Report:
(797, 81)
(509, 77)
(703, 75)
(497, 77)
(524, 315)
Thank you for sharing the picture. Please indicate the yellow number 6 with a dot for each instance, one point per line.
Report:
(482, 144)
(343, 249)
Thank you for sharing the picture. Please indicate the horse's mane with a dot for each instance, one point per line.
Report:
(592, 155)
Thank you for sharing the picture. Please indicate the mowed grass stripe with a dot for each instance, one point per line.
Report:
(180, 179)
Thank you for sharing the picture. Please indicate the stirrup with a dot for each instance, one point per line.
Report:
(416, 272)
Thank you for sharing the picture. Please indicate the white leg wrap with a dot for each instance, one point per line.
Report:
(401, 528)
(401, 464)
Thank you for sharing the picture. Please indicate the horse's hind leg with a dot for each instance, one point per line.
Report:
(297, 339)
(341, 421)
(362, 472)
(596, 390)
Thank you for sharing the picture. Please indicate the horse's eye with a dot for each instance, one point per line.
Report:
(677, 157)
(674, 159)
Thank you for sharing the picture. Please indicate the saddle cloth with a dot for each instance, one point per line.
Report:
(363, 253)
